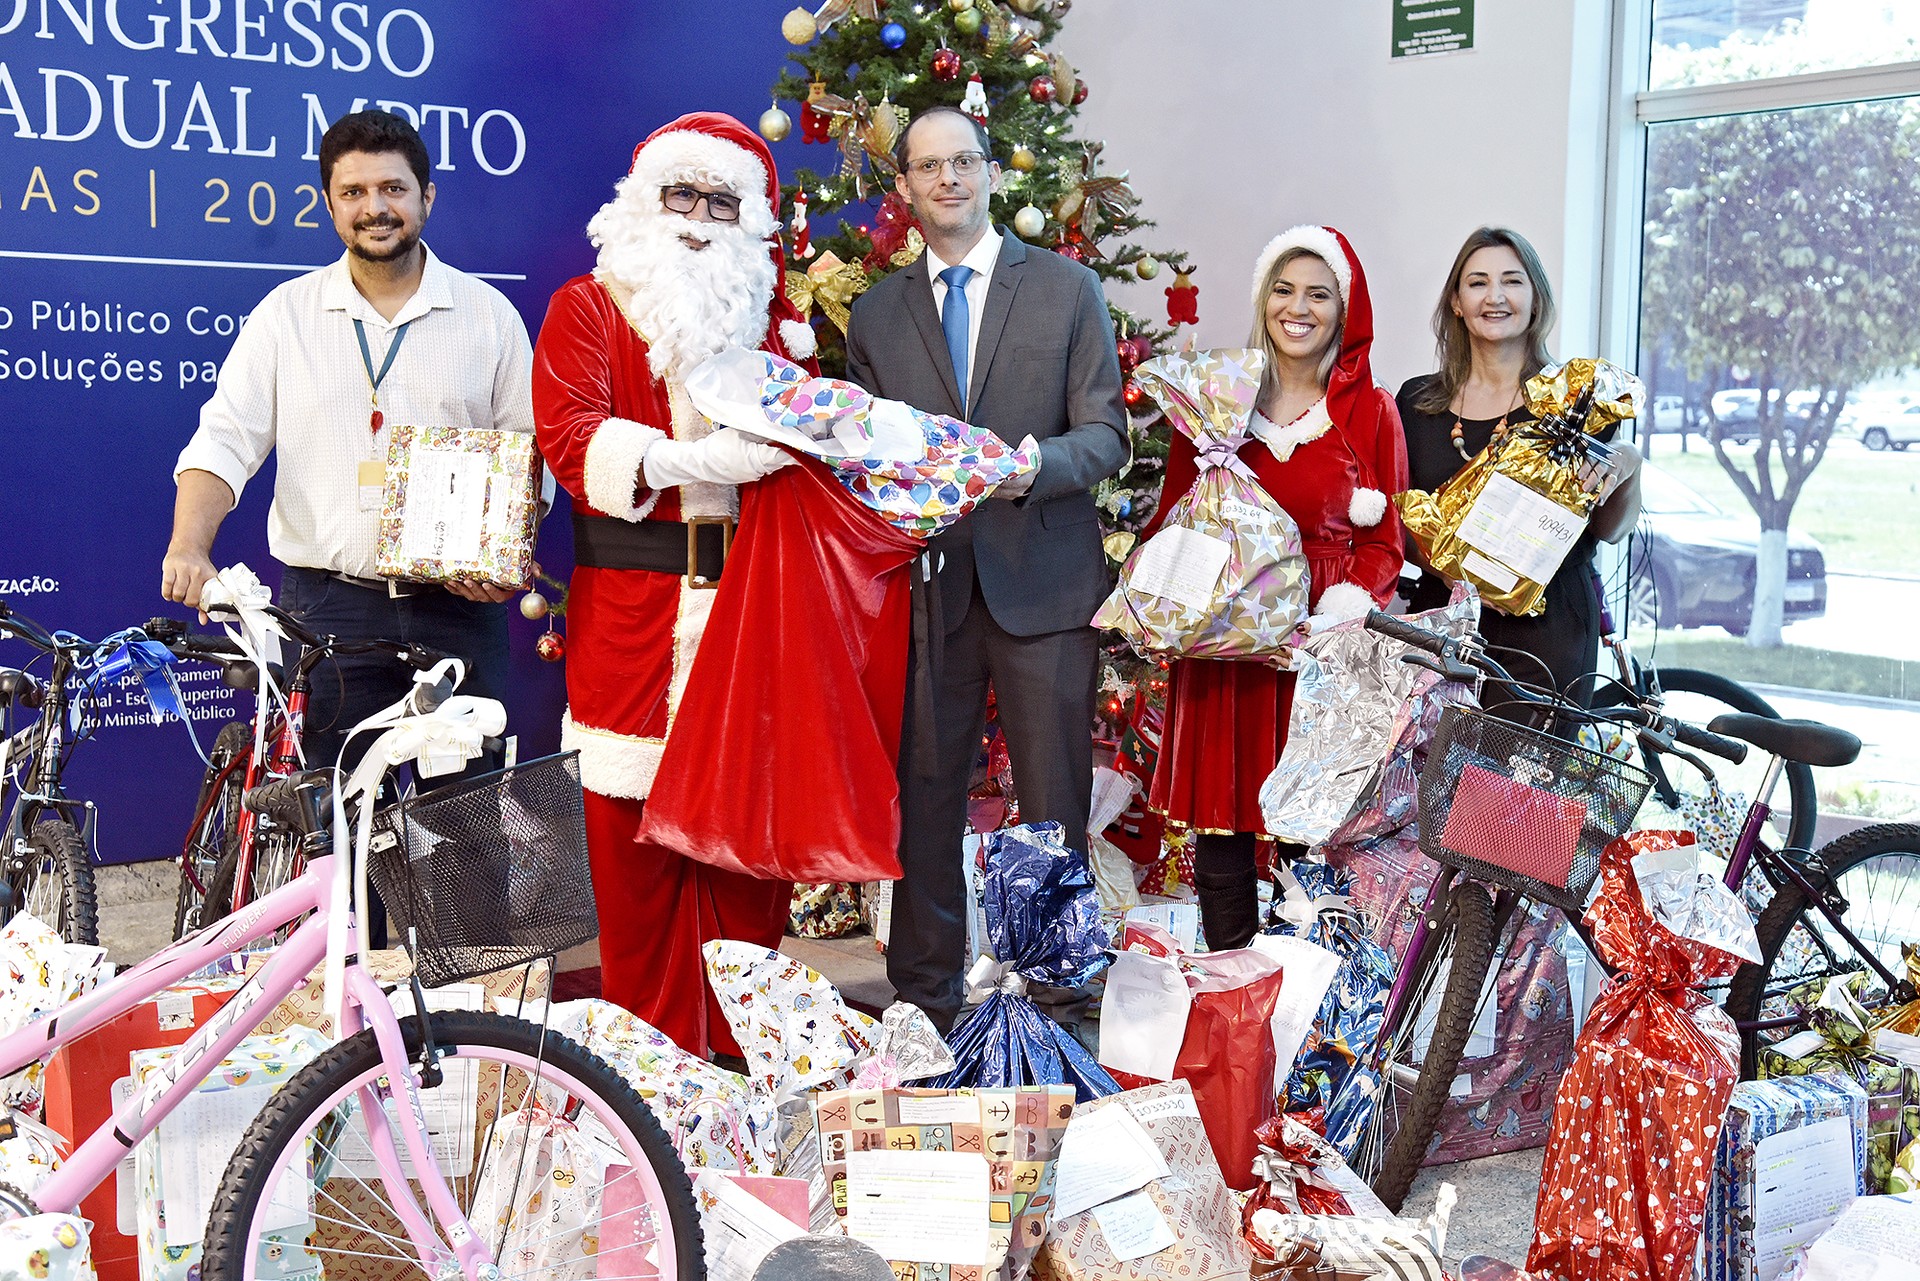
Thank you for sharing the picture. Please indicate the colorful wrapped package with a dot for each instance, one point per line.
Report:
(1506, 520)
(1191, 1199)
(45, 1247)
(1841, 1043)
(1759, 1110)
(920, 471)
(459, 503)
(1339, 1247)
(1300, 1173)
(1001, 1143)
(1224, 577)
(824, 910)
(1043, 926)
(794, 1029)
(1623, 1189)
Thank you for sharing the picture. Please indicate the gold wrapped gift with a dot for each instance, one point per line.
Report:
(1506, 520)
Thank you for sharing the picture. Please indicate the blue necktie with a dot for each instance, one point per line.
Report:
(954, 320)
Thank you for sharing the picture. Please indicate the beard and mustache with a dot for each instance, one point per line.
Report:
(688, 303)
(399, 247)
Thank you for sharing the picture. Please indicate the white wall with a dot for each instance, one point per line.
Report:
(1239, 118)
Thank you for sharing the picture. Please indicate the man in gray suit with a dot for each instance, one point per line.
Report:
(984, 329)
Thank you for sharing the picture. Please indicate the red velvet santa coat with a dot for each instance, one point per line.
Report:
(1227, 719)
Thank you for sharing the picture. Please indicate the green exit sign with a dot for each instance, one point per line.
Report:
(1431, 26)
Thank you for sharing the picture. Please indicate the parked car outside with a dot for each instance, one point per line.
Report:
(1669, 414)
(1693, 564)
(1888, 429)
(1737, 410)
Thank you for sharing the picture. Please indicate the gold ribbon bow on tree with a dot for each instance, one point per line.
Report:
(829, 284)
(1092, 196)
(834, 10)
(863, 130)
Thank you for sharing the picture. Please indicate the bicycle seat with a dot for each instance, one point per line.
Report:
(1808, 742)
(242, 675)
(18, 686)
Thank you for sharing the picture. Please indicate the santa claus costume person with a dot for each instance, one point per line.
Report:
(1326, 444)
(689, 265)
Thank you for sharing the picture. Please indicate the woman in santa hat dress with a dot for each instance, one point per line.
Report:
(1328, 447)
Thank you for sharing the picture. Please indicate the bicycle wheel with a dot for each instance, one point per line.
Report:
(219, 809)
(53, 881)
(1423, 1052)
(1876, 871)
(304, 1175)
(1698, 697)
(276, 861)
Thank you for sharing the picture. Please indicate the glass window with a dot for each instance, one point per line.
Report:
(1702, 42)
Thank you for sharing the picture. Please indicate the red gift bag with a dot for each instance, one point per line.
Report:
(781, 761)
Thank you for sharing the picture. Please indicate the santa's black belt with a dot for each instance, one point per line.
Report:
(662, 546)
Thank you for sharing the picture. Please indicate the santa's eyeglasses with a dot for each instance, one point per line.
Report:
(684, 200)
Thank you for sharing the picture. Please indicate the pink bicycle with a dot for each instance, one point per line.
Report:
(440, 1145)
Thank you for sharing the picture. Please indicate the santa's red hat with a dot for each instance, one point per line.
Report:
(715, 150)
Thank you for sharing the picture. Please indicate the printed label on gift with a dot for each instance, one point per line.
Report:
(446, 506)
(939, 1110)
(1524, 530)
(1181, 565)
(1490, 572)
(926, 1206)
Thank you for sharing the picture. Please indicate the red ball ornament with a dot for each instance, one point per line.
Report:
(1079, 93)
(1124, 349)
(1133, 394)
(1042, 89)
(1067, 249)
(945, 64)
(550, 647)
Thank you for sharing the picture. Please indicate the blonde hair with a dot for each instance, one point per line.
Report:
(1451, 347)
(1262, 341)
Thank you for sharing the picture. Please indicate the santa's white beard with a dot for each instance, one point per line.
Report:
(688, 303)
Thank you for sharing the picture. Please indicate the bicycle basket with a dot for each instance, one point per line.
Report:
(488, 873)
(1521, 808)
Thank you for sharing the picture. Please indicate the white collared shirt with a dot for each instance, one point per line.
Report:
(294, 385)
(981, 258)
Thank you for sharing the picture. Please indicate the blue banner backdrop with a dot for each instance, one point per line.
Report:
(158, 175)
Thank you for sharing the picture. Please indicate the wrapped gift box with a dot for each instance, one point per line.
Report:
(1810, 1054)
(305, 1006)
(1760, 1110)
(459, 503)
(178, 1168)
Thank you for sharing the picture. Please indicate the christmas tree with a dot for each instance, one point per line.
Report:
(866, 67)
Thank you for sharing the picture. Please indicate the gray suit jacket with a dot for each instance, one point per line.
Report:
(1044, 366)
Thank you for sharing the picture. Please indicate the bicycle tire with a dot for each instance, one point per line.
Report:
(276, 861)
(1789, 909)
(56, 883)
(215, 832)
(312, 1097)
(1803, 797)
(1466, 929)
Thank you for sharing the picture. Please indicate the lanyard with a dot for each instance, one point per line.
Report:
(366, 359)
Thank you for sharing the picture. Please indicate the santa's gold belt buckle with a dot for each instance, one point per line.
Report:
(695, 579)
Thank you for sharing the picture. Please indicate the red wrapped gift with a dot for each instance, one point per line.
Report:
(1630, 1155)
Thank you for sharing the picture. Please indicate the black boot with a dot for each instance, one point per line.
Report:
(1224, 878)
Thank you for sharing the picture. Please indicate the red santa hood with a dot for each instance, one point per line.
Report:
(714, 149)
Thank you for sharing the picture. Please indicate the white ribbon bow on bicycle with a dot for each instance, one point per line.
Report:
(238, 591)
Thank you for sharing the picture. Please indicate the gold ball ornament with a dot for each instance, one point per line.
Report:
(799, 27)
(967, 22)
(534, 606)
(1147, 268)
(1023, 159)
(775, 124)
(959, 6)
(1029, 223)
(1028, 6)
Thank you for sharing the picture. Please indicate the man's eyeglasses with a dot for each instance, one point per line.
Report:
(965, 165)
(684, 200)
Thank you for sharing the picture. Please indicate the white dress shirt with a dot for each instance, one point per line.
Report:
(981, 258)
(294, 385)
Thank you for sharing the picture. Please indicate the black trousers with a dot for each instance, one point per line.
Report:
(1044, 687)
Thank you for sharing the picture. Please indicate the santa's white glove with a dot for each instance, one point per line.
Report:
(1340, 603)
(724, 457)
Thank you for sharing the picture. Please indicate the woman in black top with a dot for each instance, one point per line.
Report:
(1491, 328)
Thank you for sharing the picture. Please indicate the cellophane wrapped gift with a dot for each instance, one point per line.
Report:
(1755, 1111)
(1904, 1178)
(459, 503)
(41, 973)
(713, 1117)
(1350, 699)
(1014, 1133)
(1224, 576)
(1905, 1018)
(539, 1193)
(1623, 1189)
(824, 910)
(1335, 1247)
(1841, 1042)
(45, 1247)
(1192, 1200)
(1506, 520)
(1043, 926)
(920, 471)
(1300, 1173)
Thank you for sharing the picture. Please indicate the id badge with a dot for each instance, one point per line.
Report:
(372, 483)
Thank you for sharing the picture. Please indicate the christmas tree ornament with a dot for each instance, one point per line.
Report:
(1023, 159)
(945, 64)
(1028, 6)
(1066, 81)
(967, 22)
(1042, 89)
(1183, 301)
(1029, 223)
(834, 10)
(775, 124)
(959, 6)
(534, 606)
(799, 27)
(1132, 394)
(1067, 249)
(550, 647)
(831, 285)
(1147, 268)
(893, 35)
(802, 238)
(1093, 199)
(974, 100)
(815, 124)
(1079, 93)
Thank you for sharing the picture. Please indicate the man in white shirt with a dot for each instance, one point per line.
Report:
(388, 334)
